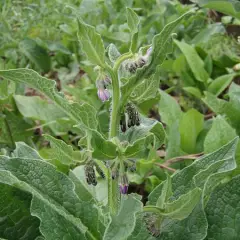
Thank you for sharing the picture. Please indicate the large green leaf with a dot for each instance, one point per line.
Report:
(36, 54)
(16, 220)
(194, 61)
(223, 210)
(54, 201)
(83, 114)
(91, 43)
(203, 173)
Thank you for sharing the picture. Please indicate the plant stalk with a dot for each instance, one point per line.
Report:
(115, 115)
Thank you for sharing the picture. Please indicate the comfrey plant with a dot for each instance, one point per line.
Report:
(39, 201)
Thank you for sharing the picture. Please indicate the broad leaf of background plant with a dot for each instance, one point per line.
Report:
(54, 202)
(220, 134)
(16, 219)
(36, 54)
(231, 109)
(190, 126)
(223, 211)
(83, 114)
(91, 43)
(194, 61)
(14, 128)
(122, 225)
(169, 109)
(220, 84)
(229, 7)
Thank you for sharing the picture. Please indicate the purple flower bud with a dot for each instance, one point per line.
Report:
(103, 94)
(123, 189)
(123, 184)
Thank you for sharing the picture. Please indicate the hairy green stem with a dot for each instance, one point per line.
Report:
(115, 115)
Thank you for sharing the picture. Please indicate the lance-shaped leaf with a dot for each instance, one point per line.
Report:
(91, 43)
(133, 22)
(113, 53)
(162, 45)
(63, 152)
(54, 201)
(223, 210)
(180, 208)
(16, 219)
(83, 114)
(102, 148)
(191, 124)
(147, 89)
(169, 109)
(122, 225)
(194, 61)
(220, 83)
(166, 193)
(139, 137)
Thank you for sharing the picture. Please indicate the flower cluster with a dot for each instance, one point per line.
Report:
(90, 174)
(130, 118)
(132, 65)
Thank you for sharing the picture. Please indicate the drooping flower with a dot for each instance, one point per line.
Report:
(123, 184)
(103, 94)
